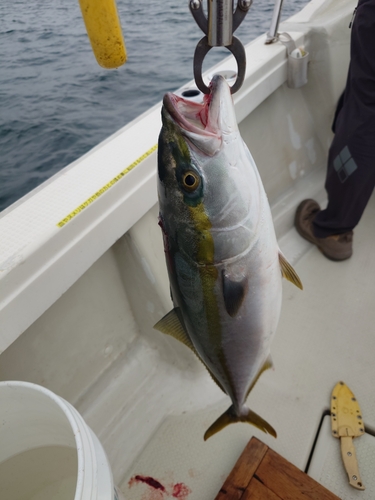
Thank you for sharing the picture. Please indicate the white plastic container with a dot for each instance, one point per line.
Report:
(298, 59)
(297, 68)
(47, 450)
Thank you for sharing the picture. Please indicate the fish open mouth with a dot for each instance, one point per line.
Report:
(205, 125)
(191, 116)
(194, 117)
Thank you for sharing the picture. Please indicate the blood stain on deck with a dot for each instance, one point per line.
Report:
(148, 480)
(156, 491)
(181, 491)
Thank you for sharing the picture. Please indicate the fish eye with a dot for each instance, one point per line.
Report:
(190, 181)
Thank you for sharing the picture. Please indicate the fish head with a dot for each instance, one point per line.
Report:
(205, 174)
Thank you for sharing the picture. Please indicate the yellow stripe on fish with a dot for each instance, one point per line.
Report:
(209, 275)
(205, 250)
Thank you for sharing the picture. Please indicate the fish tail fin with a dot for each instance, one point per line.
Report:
(230, 417)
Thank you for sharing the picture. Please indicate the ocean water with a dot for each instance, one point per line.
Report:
(56, 103)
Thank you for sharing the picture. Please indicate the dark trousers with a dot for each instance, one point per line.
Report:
(351, 160)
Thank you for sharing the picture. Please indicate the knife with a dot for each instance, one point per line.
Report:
(347, 423)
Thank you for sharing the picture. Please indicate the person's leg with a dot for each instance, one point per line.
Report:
(351, 161)
(349, 183)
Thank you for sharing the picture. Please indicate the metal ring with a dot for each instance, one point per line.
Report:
(200, 53)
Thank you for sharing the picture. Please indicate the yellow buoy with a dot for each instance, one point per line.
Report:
(104, 31)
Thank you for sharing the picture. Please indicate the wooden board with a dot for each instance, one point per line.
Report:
(262, 474)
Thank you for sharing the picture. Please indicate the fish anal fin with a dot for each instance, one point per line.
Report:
(266, 366)
(288, 272)
(171, 325)
(234, 293)
(230, 417)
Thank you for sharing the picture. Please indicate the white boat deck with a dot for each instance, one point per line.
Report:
(326, 334)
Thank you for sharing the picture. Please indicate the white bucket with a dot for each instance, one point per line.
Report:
(47, 450)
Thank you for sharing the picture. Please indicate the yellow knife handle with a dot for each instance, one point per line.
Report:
(104, 30)
(350, 462)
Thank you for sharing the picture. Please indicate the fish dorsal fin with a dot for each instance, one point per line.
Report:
(171, 325)
(266, 365)
(288, 272)
(234, 293)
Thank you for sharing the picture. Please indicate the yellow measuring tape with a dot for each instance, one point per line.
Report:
(105, 188)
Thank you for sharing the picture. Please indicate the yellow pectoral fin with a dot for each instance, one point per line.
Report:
(288, 272)
(230, 417)
(171, 325)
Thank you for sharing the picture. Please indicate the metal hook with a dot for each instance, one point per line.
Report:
(219, 28)
(237, 50)
(196, 9)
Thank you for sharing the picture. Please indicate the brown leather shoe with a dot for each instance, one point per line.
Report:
(336, 247)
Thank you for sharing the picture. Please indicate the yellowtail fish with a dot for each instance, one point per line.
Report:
(224, 263)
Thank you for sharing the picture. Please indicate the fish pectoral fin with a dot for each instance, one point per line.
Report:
(288, 272)
(234, 293)
(171, 325)
(266, 366)
(230, 417)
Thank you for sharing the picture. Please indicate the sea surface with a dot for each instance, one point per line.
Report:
(56, 103)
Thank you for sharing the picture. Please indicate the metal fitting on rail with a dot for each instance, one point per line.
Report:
(272, 35)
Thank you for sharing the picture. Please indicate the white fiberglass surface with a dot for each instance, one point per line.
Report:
(325, 335)
(149, 399)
